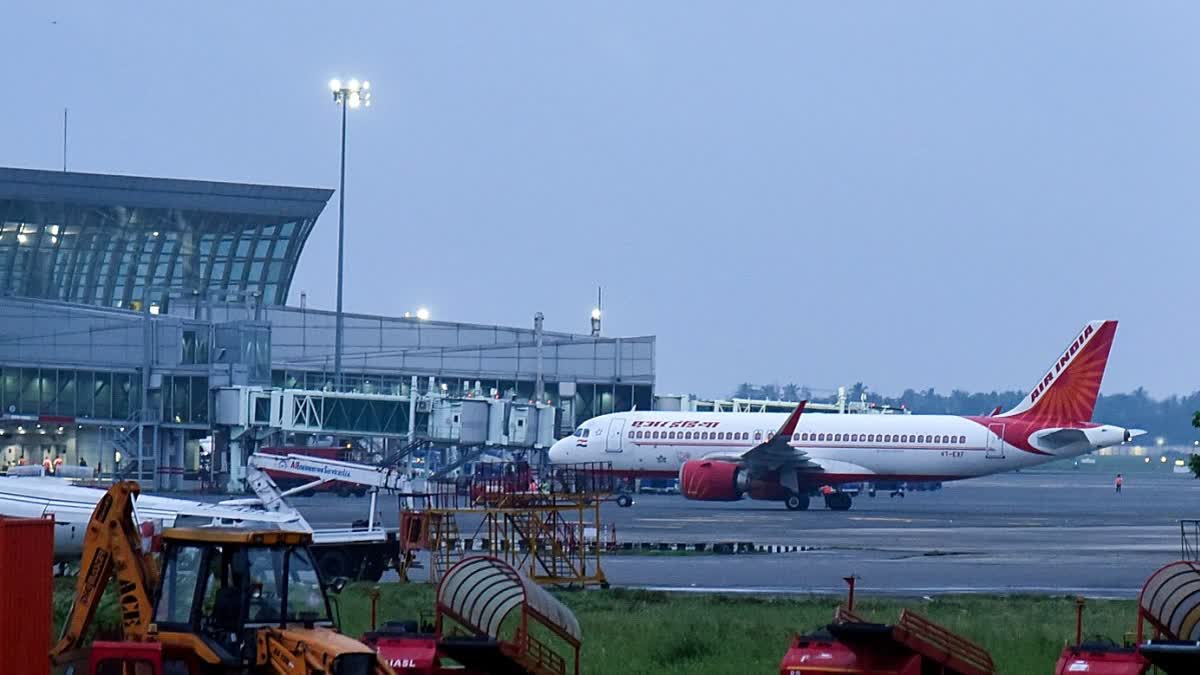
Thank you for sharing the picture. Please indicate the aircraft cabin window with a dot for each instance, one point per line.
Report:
(921, 439)
(937, 439)
(631, 434)
(837, 437)
(887, 438)
(758, 435)
(903, 438)
(962, 439)
(795, 437)
(870, 438)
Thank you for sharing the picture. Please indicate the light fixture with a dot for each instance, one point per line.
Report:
(349, 96)
(21, 238)
(423, 313)
(154, 309)
(596, 313)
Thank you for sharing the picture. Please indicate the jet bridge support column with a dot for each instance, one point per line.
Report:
(235, 467)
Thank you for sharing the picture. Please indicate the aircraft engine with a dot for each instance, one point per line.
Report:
(712, 480)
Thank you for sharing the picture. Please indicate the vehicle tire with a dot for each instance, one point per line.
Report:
(838, 501)
(795, 502)
(373, 567)
(624, 501)
(333, 563)
(871, 493)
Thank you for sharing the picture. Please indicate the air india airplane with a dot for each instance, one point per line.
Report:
(781, 457)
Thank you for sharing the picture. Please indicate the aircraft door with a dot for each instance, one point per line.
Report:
(995, 441)
(615, 431)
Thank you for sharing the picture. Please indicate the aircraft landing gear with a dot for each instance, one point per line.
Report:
(838, 501)
(795, 502)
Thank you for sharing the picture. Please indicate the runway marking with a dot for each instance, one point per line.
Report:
(882, 519)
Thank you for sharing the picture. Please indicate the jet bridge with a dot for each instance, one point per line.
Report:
(253, 413)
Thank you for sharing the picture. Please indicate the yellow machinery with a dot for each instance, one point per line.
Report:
(227, 600)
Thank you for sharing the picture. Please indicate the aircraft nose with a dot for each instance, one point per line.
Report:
(560, 450)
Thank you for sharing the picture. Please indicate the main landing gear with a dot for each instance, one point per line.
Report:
(795, 502)
(838, 501)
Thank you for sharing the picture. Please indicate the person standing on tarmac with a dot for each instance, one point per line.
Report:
(1119, 482)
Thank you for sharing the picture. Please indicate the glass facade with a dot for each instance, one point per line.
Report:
(590, 399)
(71, 393)
(124, 242)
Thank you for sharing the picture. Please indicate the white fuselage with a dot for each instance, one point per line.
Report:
(72, 506)
(846, 447)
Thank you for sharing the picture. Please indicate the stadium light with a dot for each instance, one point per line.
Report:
(351, 95)
(423, 313)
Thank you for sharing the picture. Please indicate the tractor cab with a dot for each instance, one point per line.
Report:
(220, 586)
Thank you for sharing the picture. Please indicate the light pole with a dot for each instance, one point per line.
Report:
(352, 94)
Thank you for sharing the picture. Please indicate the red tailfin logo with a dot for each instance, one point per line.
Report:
(1067, 394)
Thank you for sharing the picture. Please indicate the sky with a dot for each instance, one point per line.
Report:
(919, 194)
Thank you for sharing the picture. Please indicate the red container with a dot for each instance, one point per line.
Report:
(26, 594)
(1101, 661)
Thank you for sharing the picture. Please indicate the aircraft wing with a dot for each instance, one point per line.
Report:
(55, 495)
(152, 506)
(775, 452)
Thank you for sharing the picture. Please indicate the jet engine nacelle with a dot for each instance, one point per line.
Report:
(712, 480)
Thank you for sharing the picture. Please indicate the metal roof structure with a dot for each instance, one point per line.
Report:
(121, 241)
(1170, 600)
(481, 592)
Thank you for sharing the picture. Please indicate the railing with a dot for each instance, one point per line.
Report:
(540, 658)
(1189, 539)
(518, 485)
(941, 645)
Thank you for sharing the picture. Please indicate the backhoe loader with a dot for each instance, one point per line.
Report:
(222, 601)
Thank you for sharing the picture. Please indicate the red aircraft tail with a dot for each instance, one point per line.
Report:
(1067, 394)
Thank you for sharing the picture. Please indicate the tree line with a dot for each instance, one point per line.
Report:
(1171, 417)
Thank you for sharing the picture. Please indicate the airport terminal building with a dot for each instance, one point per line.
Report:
(142, 316)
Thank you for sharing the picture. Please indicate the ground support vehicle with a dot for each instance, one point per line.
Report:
(489, 619)
(224, 601)
(913, 645)
(365, 549)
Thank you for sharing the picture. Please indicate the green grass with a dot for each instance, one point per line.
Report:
(632, 631)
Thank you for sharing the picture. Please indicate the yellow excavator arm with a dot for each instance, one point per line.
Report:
(112, 547)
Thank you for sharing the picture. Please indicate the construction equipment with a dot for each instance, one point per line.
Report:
(226, 600)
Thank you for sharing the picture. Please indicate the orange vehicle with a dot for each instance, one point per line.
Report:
(225, 601)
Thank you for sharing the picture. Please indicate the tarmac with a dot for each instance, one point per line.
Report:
(1056, 533)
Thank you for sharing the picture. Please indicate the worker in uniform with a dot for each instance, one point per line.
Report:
(1119, 482)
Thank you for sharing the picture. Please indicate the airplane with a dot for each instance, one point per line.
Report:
(72, 506)
(779, 457)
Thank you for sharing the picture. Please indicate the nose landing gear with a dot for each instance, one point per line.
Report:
(795, 502)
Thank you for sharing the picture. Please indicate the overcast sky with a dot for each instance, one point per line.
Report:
(907, 194)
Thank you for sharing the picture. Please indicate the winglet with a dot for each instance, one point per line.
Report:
(995, 411)
(789, 426)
